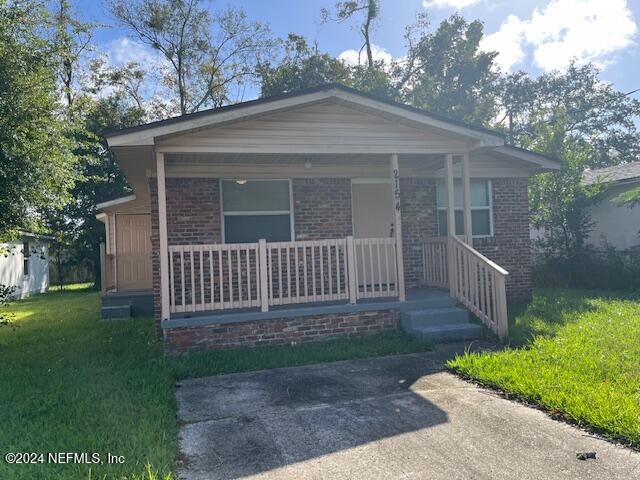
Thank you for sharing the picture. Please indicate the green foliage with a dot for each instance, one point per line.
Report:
(36, 161)
(447, 73)
(300, 68)
(591, 111)
(630, 198)
(604, 269)
(204, 56)
(558, 201)
(580, 360)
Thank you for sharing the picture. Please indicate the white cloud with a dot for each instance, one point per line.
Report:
(585, 30)
(457, 4)
(350, 57)
(507, 41)
(123, 50)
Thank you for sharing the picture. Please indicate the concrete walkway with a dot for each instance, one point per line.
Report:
(384, 418)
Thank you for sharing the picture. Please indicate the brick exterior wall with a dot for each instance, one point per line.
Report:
(419, 220)
(193, 217)
(510, 247)
(283, 331)
(322, 208)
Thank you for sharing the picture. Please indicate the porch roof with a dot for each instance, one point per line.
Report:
(144, 134)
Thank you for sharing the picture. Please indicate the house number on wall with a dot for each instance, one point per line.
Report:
(396, 189)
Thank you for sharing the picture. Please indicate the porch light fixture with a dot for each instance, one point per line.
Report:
(241, 181)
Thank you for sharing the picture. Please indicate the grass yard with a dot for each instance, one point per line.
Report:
(579, 358)
(72, 383)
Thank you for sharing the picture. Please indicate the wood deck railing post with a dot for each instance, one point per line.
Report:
(451, 226)
(502, 319)
(466, 199)
(351, 270)
(397, 210)
(264, 281)
(164, 249)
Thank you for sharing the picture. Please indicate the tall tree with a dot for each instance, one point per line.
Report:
(559, 202)
(593, 112)
(369, 10)
(72, 38)
(304, 67)
(301, 67)
(208, 56)
(36, 161)
(446, 72)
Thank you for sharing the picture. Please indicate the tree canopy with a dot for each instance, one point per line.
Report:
(36, 160)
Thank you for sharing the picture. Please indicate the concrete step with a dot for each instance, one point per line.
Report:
(435, 301)
(434, 317)
(449, 333)
(116, 312)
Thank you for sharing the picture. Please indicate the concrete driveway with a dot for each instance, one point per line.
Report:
(383, 418)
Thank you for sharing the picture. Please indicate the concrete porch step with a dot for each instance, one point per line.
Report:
(435, 316)
(440, 322)
(449, 333)
(116, 312)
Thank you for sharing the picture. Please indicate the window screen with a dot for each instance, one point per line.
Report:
(255, 209)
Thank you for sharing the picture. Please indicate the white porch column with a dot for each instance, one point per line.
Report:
(466, 199)
(397, 224)
(451, 223)
(164, 248)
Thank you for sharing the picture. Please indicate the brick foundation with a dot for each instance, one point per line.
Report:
(279, 331)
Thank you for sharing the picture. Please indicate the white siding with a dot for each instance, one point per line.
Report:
(321, 128)
(12, 264)
(616, 226)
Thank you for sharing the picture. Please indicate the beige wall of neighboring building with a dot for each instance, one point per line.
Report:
(616, 226)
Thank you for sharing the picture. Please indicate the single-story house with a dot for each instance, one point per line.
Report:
(24, 264)
(318, 213)
(615, 225)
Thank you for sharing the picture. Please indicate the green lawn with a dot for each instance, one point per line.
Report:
(579, 357)
(72, 383)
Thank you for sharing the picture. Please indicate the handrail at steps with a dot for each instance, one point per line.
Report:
(475, 281)
(479, 284)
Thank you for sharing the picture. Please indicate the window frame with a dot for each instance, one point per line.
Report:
(26, 257)
(256, 212)
(461, 209)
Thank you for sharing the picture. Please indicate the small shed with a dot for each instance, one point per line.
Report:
(24, 264)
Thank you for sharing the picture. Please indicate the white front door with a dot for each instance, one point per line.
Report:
(372, 218)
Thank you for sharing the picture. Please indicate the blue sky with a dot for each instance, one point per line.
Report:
(532, 35)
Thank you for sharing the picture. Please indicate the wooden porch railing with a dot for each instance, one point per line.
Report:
(474, 280)
(264, 274)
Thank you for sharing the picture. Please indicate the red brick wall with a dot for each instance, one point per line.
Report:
(510, 247)
(280, 331)
(193, 217)
(322, 208)
(419, 220)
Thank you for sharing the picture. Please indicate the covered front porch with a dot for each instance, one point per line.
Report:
(309, 274)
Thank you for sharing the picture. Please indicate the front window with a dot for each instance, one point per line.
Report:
(481, 207)
(255, 209)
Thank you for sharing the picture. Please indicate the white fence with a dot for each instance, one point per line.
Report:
(246, 275)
